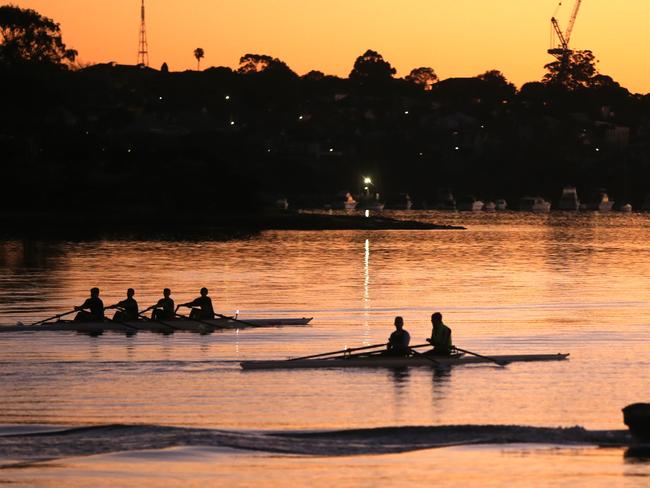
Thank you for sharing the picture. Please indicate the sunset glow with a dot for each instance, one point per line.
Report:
(460, 38)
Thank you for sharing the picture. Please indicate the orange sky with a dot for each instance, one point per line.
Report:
(455, 37)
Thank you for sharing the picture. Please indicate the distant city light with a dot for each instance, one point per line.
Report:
(160, 98)
(232, 122)
(227, 97)
(406, 112)
(128, 150)
(597, 149)
(331, 149)
(268, 150)
(482, 127)
(456, 148)
(300, 117)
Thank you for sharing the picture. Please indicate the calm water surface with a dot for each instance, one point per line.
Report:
(511, 283)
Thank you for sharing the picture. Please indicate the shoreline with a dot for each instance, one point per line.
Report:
(219, 225)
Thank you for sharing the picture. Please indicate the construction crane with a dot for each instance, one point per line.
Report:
(560, 49)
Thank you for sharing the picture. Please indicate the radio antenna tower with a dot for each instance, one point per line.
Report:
(143, 50)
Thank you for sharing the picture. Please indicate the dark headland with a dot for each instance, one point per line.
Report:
(216, 146)
(180, 225)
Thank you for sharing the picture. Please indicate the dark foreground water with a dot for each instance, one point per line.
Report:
(511, 283)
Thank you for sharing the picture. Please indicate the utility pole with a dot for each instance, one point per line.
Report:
(143, 50)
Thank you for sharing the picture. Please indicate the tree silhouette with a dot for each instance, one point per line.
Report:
(371, 67)
(495, 77)
(263, 63)
(574, 70)
(199, 54)
(28, 37)
(424, 77)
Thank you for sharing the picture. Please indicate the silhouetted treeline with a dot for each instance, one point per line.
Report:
(134, 138)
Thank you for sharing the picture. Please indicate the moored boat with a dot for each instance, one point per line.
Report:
(489, 207)
(343, 201)
(627, 207)
(444, 200)
(185, 325)
(534, 204)
(501, 204)
(378, 361)
(569, 199)
(599, 202)
(469, 203)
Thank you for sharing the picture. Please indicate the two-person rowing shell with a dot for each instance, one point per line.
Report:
(92, 310)
(399, 340)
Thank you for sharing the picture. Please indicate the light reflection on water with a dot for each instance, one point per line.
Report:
(510, 283)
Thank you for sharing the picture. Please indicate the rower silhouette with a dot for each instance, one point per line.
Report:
(398, 342)
(127, 309)
(204, 304)
(164, 308)
(92, 310)
(440, 337)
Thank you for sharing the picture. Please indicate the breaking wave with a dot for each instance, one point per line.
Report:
(47, 444)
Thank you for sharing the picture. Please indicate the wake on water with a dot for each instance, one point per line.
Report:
(85, 441)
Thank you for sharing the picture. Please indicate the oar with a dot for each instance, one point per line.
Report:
(130, 327)
(52, 318)
(417, 353)
(149, 319)
(500, 363)
(362, 354)
(342, 351)
(212, 326)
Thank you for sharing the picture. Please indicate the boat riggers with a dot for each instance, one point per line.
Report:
(345, 352)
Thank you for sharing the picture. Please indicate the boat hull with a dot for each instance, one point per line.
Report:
(396, 362)
(163, 326)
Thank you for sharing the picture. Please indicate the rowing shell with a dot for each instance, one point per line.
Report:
(393, 362)
(187, 325)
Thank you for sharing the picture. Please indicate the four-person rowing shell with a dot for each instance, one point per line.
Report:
(90, 317)
(92, 310)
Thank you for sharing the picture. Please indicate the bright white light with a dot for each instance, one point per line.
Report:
(160, 98)
(227, 97)
(421, 154)
(597, 149)
(406, 112)
(128, 150)
(456, 148)
(331, 149)
(232, 122)
(300, 117)
(367, 213)
(367, 180)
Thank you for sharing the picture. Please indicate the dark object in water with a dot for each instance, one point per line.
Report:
(637, 418)
(639, 454)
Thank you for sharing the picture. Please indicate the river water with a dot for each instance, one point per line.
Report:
(510, 283)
